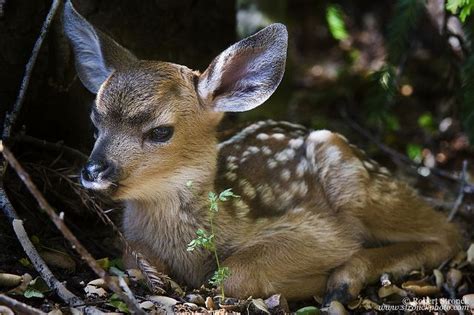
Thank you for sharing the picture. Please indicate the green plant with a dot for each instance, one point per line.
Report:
(461, 7)
(206, 240)
(334, 18)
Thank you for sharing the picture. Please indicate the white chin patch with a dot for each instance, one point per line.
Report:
(96, 185)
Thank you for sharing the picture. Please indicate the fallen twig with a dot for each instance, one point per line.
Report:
(38, 262)
(58, 146)
(397, 157)
(19, 307)
(58, 221)
(11, 117)
(460, 198)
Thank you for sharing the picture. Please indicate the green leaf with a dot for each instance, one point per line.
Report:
(226, 194)
(35, 239)
(25, 262)
(220, 275)
(115, 271)
(308, 310)
(116, 302)
(414, 152)
(334, 18)
(426, 122)
(117, 262)
(104, 263)
(32, 293)
(36, 288)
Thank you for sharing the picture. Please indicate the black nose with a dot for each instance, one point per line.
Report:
(93, 169)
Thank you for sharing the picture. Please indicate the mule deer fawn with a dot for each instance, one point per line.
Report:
(315, 216)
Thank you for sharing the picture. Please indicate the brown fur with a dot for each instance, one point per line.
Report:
(353, 222)
(314, 215)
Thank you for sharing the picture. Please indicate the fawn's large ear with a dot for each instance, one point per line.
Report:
(96, 54)
(247, 73)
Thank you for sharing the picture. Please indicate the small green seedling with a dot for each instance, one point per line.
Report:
(206, 240)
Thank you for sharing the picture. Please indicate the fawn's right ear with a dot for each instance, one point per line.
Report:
(96, 54)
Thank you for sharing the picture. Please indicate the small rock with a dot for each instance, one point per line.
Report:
(55, 311)
(193, 307)
(210, 304)
(277, 304)
(453, 278)
(195, 298)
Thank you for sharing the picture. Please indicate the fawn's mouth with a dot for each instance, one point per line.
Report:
(101, 185)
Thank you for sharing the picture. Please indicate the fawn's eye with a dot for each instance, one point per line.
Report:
(159, 134)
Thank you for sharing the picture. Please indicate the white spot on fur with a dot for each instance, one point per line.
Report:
(263, 136)
(266, 150)
(301, 168)
(231, 176)
(278, 136)
(266, 194)
(271, 163)
(320, 136)
(285, 155)
(296, 143)
(285, 175)
(247, 188)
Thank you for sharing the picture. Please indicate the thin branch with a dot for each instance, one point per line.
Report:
(395, 155)
(37, 261)
(55, 146)
(11, 117)
(58, 221)
(460, 198)
(19, 307)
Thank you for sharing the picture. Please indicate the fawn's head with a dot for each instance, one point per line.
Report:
(156, 120)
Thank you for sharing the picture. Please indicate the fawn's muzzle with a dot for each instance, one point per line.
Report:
(98, 175)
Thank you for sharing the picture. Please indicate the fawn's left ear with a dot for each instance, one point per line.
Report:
(247, 73)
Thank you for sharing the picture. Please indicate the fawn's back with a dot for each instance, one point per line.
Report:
(314, 215)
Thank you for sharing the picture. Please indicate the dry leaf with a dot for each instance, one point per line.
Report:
(135, 274)
(420, 288)
(9, 280)
(439, 278)
(369, 305)
(195, 298)
(258, 306)
(390, 290)
(93, 291)
(59, 260)
(336, 308)
(470, 254)
(354, 304)
(210, 303)
(165, 302)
